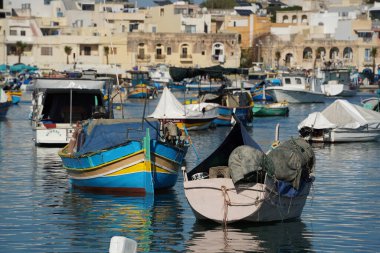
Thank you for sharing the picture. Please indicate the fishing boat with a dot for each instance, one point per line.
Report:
(122, 155)
(231, 102)
(341, 121)
(270, 109)
(296, 89)
(5, 103)
(57, 104)
(190, 117)
(139, 86)
(337, 82)
(239, 182)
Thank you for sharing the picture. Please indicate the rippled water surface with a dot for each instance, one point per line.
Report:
(39, 212)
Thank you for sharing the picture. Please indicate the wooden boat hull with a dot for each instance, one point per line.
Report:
(141, 91)
(263, 110)
(225, 115)
(126, 168)
(4, 108)
(16, 96)
(192, 123)
(295, 96)
(254, 203)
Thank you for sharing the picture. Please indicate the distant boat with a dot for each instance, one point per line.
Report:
(5, 103)
(122, 155)
(231, 102)
(270, 109)
(190, 117)
(239, 182)
(372, 103)
(140, 85)
(341, 122)
(296, 89)
(337, 83)
(15, 95)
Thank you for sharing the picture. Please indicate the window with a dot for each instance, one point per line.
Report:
(87, 50)
(154, 29)
(162, 12)
(190, 29)
(22, 33)
(169, 51)
(113, 50)
(367, 54)
(13, 32)
(203, 52)
(46, 51)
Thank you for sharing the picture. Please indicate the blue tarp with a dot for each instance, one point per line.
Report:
(101, 134)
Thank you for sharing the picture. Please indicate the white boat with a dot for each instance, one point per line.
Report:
(191, 116)
(160, 76)
(296, 89)
(239, 182)
(337, 82)
(58, 104)
(341, 122)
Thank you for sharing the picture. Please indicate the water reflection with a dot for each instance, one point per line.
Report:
(277, 237)
(99, 217)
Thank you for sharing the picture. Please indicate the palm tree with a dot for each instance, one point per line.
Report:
(373, 56)
(20, 48)
(318, 55)
(68, 51)
(277, 56)
(106, 52)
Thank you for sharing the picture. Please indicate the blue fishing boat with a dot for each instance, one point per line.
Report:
(119, 155)
(140, 85)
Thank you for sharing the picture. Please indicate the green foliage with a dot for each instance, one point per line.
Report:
(219, 4)
(246, 58)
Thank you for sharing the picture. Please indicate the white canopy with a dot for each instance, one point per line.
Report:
(341, 114)
(53, 83)
(170, 108)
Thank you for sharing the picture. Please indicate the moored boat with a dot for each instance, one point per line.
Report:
(270, 109)
(337, 83)
(190, 116)
(239, 182)
(296, 89)
(122, 155)
(5, 103)
(341, 122)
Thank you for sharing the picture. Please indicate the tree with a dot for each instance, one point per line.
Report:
(317, 56)
(106, 52)
(246, 58)
(68, 51)
(277, 56)
(20, 48)
(373, 56)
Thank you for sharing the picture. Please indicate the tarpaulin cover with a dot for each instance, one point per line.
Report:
(100, 134)
(238, 136)
(341, 114)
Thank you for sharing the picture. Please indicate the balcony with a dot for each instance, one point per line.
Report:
(186, 58)
(143, 58)
(159, 57)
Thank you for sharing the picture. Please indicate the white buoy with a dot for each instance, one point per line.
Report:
(121, 244)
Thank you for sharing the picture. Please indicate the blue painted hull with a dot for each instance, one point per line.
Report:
(126, 169)
(244, 114)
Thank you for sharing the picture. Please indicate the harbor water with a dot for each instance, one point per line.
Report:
(40, 212)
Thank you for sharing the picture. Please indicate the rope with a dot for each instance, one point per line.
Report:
(227, 202)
